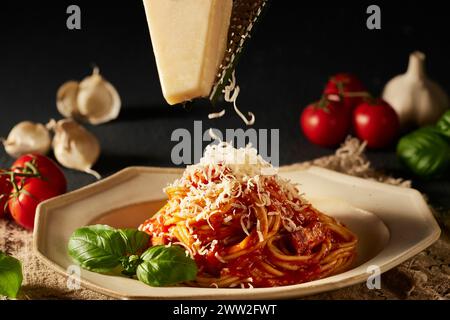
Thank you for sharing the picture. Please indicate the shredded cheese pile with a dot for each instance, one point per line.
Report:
(222, 177)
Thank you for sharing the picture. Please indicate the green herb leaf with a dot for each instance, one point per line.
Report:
(10, 275)
(135, 241)
(162, 266)
(425, 152)
(97, 248)
(443, 124)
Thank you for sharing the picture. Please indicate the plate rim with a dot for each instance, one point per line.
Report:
(275, 292)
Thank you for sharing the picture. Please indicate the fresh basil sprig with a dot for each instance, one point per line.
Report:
(104, 249)
(10, 275)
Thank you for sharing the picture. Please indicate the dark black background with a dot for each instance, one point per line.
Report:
(296, 47)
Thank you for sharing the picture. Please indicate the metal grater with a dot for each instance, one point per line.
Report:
(244, 16)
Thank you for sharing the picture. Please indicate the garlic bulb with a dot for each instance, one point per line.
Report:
(74, 147)
(93, 100)
(418, 100)
(27, 137)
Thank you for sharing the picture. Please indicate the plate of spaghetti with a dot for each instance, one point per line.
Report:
(246, 229)
(251, 231)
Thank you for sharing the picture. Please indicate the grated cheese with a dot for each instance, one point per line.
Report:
(216, 115)
(244, 227)
(218, 257)
(231, 93)
(224, 174)
(258, 230)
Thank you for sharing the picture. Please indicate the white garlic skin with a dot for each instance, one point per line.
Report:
(74, 147)
(27, 137)
(417, 100)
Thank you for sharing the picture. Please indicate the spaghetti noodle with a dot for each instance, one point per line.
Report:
(245, 229)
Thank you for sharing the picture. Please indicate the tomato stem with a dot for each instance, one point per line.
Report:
(355, 94)
(21, 174)
(28, 171)
(13, 179)
(32, 167)
(323, 103)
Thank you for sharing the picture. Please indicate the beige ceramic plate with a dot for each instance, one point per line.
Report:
(392, 224)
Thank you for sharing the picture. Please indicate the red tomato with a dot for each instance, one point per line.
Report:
(48, 169)
(23, 206)
(5, 190)
(326, 125)
(376, 122)
(32, 190)
(349, 84)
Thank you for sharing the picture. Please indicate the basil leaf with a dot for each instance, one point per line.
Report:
(135, 241)
(425, 152)
(443, 124)
(162, 266)
(97, 248)
(10, 276)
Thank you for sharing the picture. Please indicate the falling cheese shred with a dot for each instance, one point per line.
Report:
(216, 115)
(231, 93)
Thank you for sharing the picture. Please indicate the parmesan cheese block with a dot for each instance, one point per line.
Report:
(189, 39)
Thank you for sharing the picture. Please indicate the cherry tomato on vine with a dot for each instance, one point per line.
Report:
(325, 123)
(376, 122)
(348, 87)
(47, 168)
(37, 178)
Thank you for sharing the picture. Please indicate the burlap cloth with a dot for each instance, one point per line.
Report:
(425, 276)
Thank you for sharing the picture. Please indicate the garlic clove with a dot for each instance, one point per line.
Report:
(75, 147)
(97, 100)
(66, 99)
(27, 137)
(417, 100)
